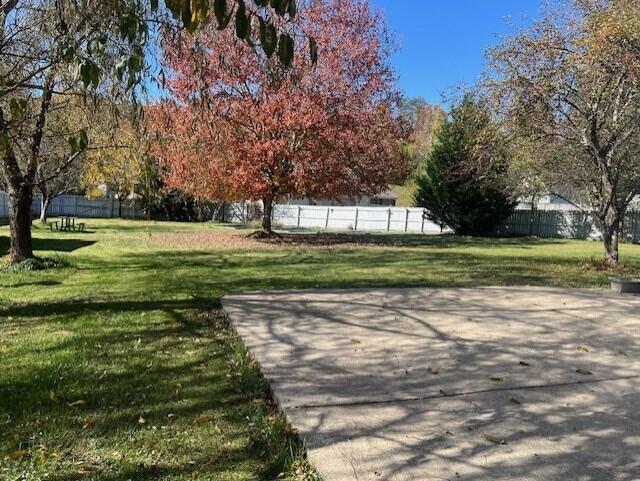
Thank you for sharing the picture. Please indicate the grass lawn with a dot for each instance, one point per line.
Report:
(120, 367)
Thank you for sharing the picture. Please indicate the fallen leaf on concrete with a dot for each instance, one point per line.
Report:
(432, 371)
(582, 348)
(496, 379)
(355, 341)
(524, 363)
(494, 440)
(584, 372)
(515, 401)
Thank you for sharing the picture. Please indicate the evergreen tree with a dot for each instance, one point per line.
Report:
(463, 182)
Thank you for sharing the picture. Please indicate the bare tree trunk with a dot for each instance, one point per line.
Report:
(266, 215)
(20, 223)
(611, 234)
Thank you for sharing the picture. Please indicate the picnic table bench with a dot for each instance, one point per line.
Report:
(67, 224)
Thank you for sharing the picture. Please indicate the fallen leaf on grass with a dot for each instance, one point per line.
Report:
(202, 419)
(584, 372)
(494, 440)
(18, 454)
(83, 471)
(78, 403)
(88, 423)
(141, 420)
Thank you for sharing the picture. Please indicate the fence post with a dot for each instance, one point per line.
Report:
(326, 223)
(299, 211)
(635, 226)
(355, 224)
(422, 226)
(75, 206)
(388, 220)
(406, 221)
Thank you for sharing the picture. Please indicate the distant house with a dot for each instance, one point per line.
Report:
(384, 199)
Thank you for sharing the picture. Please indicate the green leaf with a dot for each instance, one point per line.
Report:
(187, 16)
(175, 6)
(18, 108)
(121, 67)
(83, 143)
(268, 37)
(285, 49)
(292, 9)
(280, 6)
(128, 26)
(90, 74)
(313, 51)
(242, 21)
(199, 11)
(221, 13)
(73, 143)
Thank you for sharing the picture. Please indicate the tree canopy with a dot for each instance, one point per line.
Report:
(462, 182)
(239, 125)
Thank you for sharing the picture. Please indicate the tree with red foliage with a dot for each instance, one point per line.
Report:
(241, 126)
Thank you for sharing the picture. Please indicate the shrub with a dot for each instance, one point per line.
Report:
(463, 184)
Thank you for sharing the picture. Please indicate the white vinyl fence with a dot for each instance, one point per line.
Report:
(79, 206)
(370, 219)
(548, 221)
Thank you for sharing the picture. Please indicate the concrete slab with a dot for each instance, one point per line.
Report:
(473, 384)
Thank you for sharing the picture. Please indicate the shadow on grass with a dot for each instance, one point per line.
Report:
(51, 244)
(294, 237)
(147, 377)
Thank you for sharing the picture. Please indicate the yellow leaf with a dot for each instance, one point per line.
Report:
(78, 403)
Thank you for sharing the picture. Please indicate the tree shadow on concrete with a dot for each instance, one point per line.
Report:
(418, 384)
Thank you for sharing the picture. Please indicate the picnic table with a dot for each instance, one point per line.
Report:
(67, 224)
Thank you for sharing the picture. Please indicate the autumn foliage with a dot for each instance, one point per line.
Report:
(239, 125)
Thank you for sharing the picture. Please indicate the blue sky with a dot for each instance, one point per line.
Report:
(442, 42)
